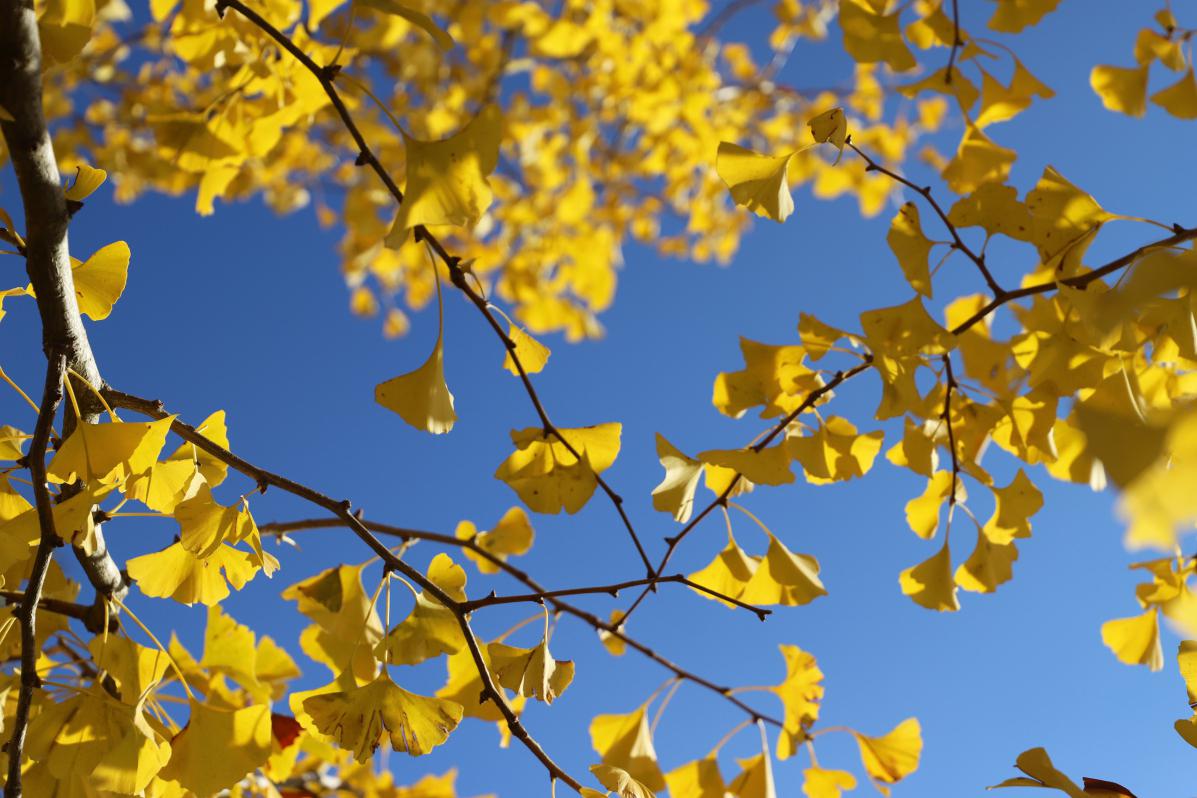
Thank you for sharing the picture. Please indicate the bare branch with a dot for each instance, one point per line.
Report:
(51, 396)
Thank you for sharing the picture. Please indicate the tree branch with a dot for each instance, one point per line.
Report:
(612, 628)
(47, 259)
(67, 609)
(51, 396)
(366, 157)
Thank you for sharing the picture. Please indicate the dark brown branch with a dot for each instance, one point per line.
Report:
(47, 259)
(925, 191)
(810, 401)
(67, 609)
(27, 614)
(366, 157)
(950, 388)
(613, 628)
(611, 590)
(344, 511)
(1180, 236)
(956, 42)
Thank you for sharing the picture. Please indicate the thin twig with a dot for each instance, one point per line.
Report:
(957, 242)
(366, 157)
(956, 42)
(67, 609)
(612, 628)
(51, 396)
(951, 386)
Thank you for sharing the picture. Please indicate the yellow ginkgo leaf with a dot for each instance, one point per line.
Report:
(800, 695)
(922, 513)
(74, 522)
(431, 629)
(1135, 640)
(835, 452)
(776, 377)
(768, 466)
(675, 494)
(510, 537)
(1000, 103)
(817, 337)
(728, 574)
(915, 451)
(697, 779)
(136, 669)
(822, 783)
(87, 180)
(930, 583)
(830, 126)
(758, 182)
(755, 779)
(1118, 431)
(108, 452)
(871, 36)
(621, 782)
(176, 573)
(904, 330)
(229, 648)
(784, 578)
(548, 477)
(991, 564)
(978, 160)
(464, 687)
(1062, 215)
(219, 747)
(347, 627)
(204, 524)
(1186, 658)
(1121, 89)
(1013, 507)
(533, 354)
(1042, 773)
(446, 180)
(616, 646)
(531, 672)
(65, 26)
(996, 208)
(894, 756)
(166, 483)
(100, 280)
(1179, 99)
(357, 719)
(1011, 16)
(421, 397)
(417, 18)
(626, 742)
(912, 248)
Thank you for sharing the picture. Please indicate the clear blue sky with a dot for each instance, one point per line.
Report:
(247, 312)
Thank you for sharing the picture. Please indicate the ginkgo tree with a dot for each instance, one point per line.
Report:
(505, 152)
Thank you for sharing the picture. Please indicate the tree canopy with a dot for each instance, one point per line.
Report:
(522, 156)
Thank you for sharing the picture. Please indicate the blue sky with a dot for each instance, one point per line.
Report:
(247, 311)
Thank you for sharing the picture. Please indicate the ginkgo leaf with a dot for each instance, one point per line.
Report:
(912, 248)
(100, 280)
(930, 583)
(1179, 99)
(817, 337)
(768, 466)
(510, 537)
(835, 452)
(74, 522)
(1062, 216)
(728, 574)
(904, 330)
(784, 578)
(922, 513)
(626, 742)
(421, 397)
(1000, 103)
(755, 779)
(347, 628)
(431, 629)
(548, 477)
(108, 452)
(758, 182)
(894, 756)
(1118, 431)
(871, 36)
(978, 160)
(533, 354)
(204, 524)
(11, 441)
(359, 718)
(136, 669)
(446, 180)
(675, 494)
(616, 646)
(697, 779)
(1038, 766)
(991, 564)
(1011, 16)
(1013, 507)
(87, 180)
(176, 573)
(800, 694)
(531, 672)
(219, 747)
(261, 667)
(776, 377)
(134, 759)
(1121, 89)
(463, 686)
(915, 451)
(1135, 640)
(171, 480)
(822, 783)
(996, 208)
(622, 782)
(830, 126)
(417, 18)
